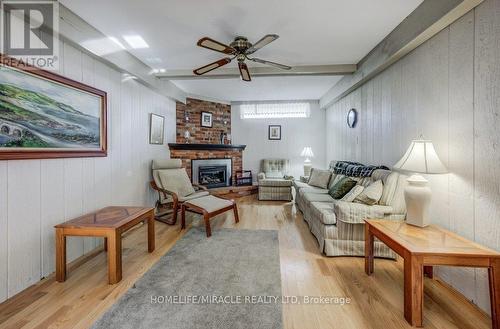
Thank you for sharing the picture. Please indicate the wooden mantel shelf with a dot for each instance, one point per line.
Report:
(179, 146)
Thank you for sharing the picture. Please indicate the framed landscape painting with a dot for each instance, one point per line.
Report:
(44, 115)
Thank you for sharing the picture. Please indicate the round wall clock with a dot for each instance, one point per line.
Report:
(352, 118)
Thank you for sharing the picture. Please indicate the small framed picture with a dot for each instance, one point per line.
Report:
(156, 129)
(206, 119)
(274, 133)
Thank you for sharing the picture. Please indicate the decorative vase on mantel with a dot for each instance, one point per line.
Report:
(187, 135)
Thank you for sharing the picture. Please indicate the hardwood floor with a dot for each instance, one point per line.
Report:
(376, 301)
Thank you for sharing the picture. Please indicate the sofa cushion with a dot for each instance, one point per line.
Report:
(317, 197)
(356, 213)
(390, 182)
(398, 201)
(300, 185)
(324, 212)
(371, 194)
(177, 181)
(341, 188)
(275, 182)
(332, 179)
(319, 178)
(365, 181)
(336, 179)
(353, 193)
(312, 189)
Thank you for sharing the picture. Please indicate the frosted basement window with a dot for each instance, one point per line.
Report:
(275, 110)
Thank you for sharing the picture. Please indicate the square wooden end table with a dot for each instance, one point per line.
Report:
(110, 223)
(421, 248)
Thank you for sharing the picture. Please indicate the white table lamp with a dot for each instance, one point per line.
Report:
(420, 157)
(307, 153)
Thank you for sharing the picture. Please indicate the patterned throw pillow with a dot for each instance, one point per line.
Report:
(353, 193)
(319, 178)
(371, 194)
(341, 188)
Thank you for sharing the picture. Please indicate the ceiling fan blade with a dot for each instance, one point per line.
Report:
(278, 65)
(262, 42)
(244, 72)
(212, 66)
(215, 45)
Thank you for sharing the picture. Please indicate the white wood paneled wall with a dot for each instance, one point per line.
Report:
(296, 133)
(448, 90)
(37, 194)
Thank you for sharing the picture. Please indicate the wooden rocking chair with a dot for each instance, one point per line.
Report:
(174, 187)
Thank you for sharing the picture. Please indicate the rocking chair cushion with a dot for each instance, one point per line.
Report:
(177, 181)
(195, 195)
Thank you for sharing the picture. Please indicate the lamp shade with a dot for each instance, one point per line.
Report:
(307, 152)
(421, 157)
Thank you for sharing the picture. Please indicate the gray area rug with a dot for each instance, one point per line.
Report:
(230, 280)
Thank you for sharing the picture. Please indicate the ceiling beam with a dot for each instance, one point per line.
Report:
(76, 31)
(261, 71)
(427, 20)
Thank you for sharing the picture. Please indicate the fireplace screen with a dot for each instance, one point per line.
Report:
(212, 176)
(212, 172)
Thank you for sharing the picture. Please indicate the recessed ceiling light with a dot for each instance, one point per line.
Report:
(156, 71)
(103, 46)
(116, 41)
(135, 41)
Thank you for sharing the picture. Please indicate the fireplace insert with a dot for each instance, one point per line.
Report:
(212, 176)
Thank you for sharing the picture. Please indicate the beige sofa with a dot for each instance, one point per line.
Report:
(338, 225)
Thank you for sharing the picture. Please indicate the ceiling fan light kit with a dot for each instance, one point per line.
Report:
(240, 48)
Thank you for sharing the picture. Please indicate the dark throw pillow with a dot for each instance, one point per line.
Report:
(341, 188)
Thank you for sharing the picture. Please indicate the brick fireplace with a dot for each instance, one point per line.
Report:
(204, 142)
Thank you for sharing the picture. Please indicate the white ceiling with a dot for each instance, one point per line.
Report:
(311, 33)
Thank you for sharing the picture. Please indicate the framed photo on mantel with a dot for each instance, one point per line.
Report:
(206, 119)
(44, 115)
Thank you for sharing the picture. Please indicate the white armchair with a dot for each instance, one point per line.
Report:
(274, 182)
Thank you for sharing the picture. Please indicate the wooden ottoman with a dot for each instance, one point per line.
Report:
(209, 206)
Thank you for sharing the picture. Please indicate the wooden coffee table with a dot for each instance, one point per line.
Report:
(110, 223)
(421, 248)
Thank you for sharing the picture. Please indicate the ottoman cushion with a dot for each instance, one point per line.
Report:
(210, 203)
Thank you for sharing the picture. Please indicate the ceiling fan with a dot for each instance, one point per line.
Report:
(240, 49)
